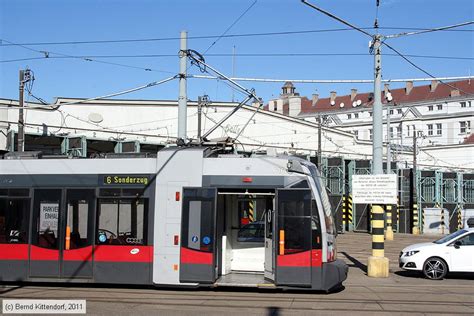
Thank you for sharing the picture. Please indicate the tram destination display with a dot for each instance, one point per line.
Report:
(125, 180)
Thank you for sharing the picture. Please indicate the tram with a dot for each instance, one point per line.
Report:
(191, 217)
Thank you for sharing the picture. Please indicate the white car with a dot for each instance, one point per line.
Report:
(452, 253)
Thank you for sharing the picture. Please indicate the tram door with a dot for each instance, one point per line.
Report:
(269, 245)
(62, 233)
(198, 236)
(293, 237)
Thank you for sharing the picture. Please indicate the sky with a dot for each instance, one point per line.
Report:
(335, 53)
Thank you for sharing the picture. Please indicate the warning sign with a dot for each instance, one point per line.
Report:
(374, 189)
(49, 213)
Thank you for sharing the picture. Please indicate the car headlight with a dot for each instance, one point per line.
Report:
(411, 253)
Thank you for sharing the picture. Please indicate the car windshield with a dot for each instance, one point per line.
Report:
(450, 237)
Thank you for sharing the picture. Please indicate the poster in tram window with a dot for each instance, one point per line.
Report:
(49, 213)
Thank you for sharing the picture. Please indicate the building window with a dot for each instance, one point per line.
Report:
(349, 116)
(430, 129)
(399, 131)
(370, 134)
(439, 106)
(370, 114)
(356, 134)
(439, 129)
(430, 108)
(465, 127)
(463, 104)
(391, 132)
(391, 112)
(356, 115)
(275, 105)
(399, 111)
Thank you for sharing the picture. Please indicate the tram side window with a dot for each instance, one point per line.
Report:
(14, 221)
(295, 222)
(296, 230)
(122, 221)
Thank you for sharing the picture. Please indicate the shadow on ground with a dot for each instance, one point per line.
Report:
(355, 263)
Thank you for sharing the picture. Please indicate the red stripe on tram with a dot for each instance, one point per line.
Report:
(114, 253)
(190, 256)
(300, 259)
(38, 253)
(80, 254)
(13, 251)
(316, 257)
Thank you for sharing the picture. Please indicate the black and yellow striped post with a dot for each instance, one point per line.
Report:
(378, 265)
(344, 213)
(443, 226)
(371, 218)
(459, 217)
(416, 228)
(422, 218)
(349, 212)
(389, 230)
(251, 211)
(398, 215)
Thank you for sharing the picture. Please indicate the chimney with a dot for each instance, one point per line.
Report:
(455, 93)
(353, 94)
(333, 96)
(315, 99)
(433, 85)
(409, 87)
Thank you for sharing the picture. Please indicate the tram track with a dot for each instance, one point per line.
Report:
(289, 304)
(196, 296)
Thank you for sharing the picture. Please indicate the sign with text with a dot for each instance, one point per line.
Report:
(49, 213)
(374, 189)
(125, 180)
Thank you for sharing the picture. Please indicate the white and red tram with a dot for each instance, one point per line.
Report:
(189, 217)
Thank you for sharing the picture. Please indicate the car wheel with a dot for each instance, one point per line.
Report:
(435, 268)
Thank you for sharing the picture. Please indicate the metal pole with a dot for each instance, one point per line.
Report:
(415, 229)
(377, 166)
(183, 99)
(21, 123)
(389, 140)
(320, 158)
(378, 264)
(389, 208)
(199, 112)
